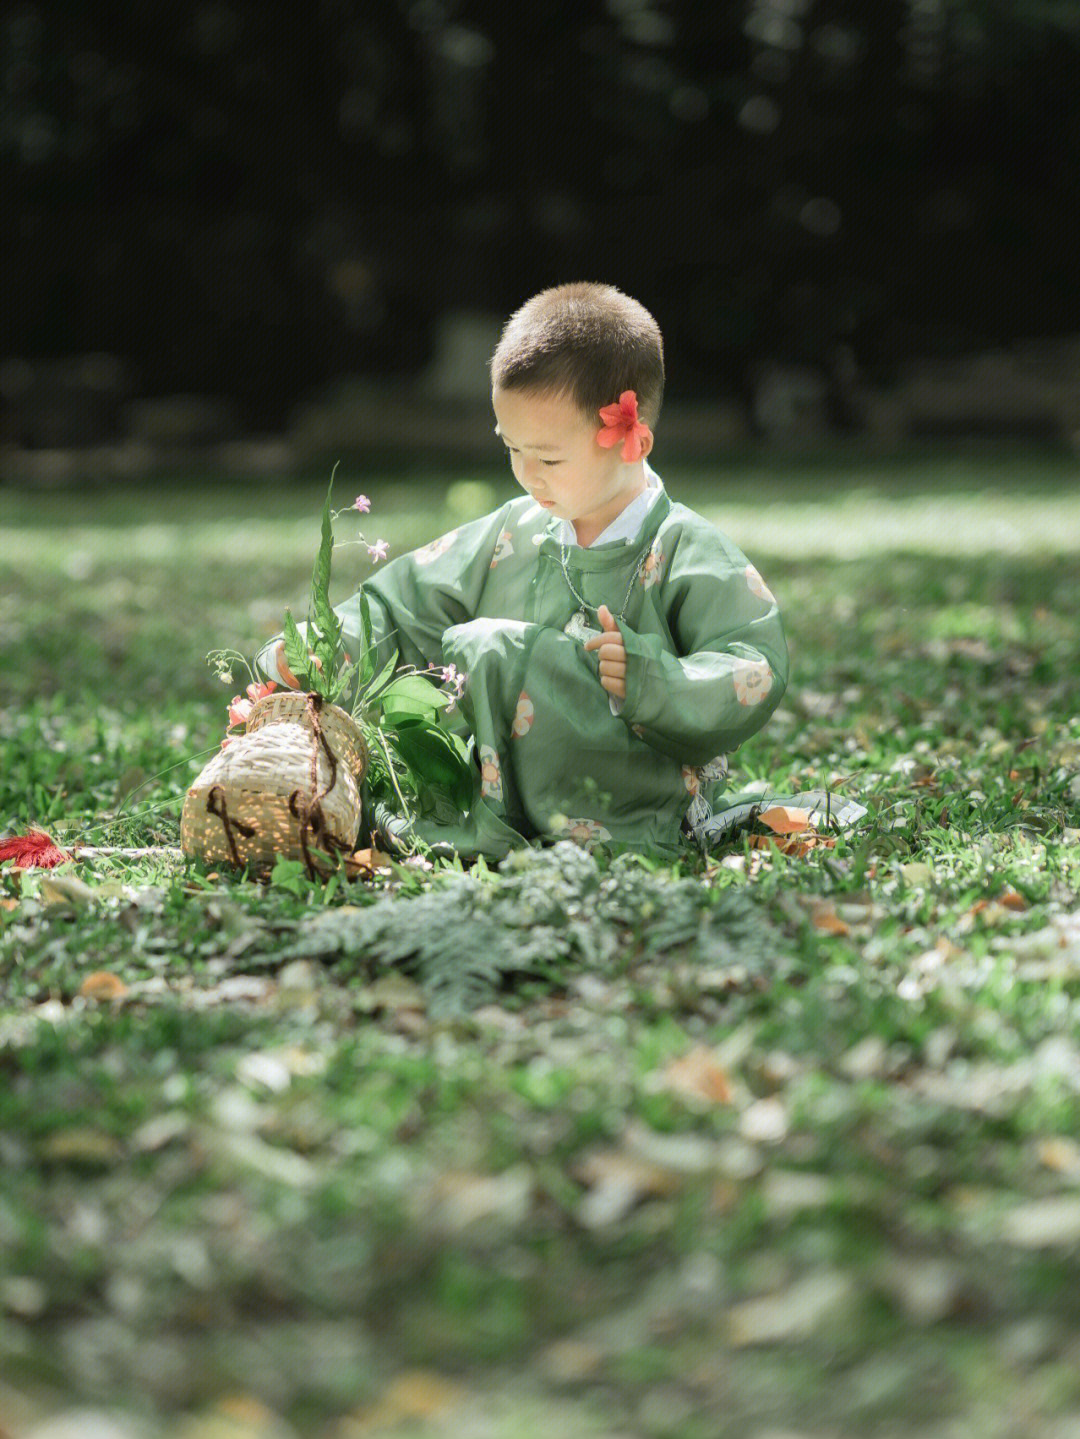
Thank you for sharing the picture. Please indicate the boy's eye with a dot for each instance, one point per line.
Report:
(511, 451)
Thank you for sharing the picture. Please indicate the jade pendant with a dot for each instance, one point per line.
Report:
(577, 627)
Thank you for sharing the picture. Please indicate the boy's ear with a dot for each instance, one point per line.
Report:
(647, 444)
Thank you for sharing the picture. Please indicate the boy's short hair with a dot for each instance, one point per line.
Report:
(584, 340)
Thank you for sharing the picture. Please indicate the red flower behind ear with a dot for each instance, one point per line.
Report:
(621, 423)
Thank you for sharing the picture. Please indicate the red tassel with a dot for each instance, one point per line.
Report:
(33, 850)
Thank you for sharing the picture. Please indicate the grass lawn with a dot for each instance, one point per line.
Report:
(756, 1145)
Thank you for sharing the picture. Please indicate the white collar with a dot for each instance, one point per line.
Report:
(627, 523)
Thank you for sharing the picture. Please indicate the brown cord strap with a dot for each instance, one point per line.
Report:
(215, 804)
(313, 823)
(314, 707)
(310, 813)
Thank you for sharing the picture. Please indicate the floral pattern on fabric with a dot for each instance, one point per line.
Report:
(523, 716)
(753, 681)
(437, 547)
(652, 564)
(584, 831)
(490, 773)
(503, 547)
(696, 633)
(757, 586)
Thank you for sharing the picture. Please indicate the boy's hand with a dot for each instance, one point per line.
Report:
(283, 668)
(286, 673)
(612, 654)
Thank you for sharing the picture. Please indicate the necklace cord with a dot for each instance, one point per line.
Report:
(564, 555)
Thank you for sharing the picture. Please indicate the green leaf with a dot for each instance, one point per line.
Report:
(433, 756)
(324, 635)
(296, 652)
(375, 686)
(367, 659)
(320, 577)
(289, 874)
(413, 695)
(345, 677)
(328, 654)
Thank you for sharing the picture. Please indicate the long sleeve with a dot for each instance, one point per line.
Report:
(415, 598)
(731, 666)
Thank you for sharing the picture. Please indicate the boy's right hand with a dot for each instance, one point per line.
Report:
(286, 673)
(283, 669)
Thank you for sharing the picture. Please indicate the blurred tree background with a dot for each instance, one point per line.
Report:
(249, 201)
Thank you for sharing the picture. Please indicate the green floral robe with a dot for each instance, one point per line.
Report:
(706, 658)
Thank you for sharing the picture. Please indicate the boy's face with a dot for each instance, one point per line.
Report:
(555, 457)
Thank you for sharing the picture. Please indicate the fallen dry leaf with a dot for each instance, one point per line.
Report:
(246, 1410)
(1012, 900)
(821, 1297)
(102, 985)
(81, 1146)
(571, 1361)
(797, 845)
(418, 1394)
(1043, 1223)
(364, 863)
(699, 1076)
(1059, 1153)
(785, 819)
(67, 889)
(765, 1121)
(394, 992)
(458, 1200)
(828, 921)
(617, 1182)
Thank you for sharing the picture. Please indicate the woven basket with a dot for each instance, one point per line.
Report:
(288, 786)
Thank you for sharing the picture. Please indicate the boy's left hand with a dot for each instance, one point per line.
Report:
(612, 654)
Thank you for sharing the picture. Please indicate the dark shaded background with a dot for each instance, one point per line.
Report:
(248, 201)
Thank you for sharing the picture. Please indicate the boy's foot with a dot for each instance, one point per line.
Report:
(826, 811)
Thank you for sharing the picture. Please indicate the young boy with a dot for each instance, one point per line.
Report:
(617, 645)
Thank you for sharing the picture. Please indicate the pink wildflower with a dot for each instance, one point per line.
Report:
(378, 550)
(239, 709)
(452, 675)
(361, 503)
